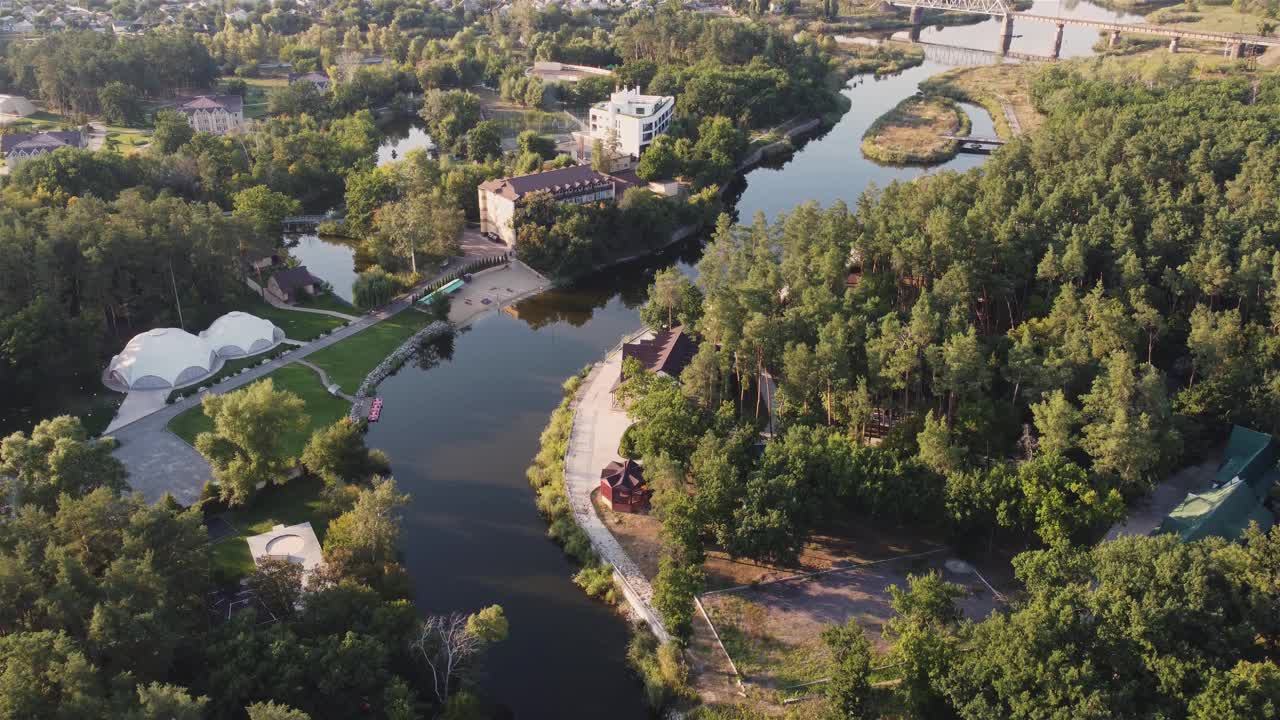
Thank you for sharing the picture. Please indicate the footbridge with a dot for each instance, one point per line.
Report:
(975, 144)
(1234, 45)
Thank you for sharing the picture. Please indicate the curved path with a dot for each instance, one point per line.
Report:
(160, 462)
(274, 302)
(324, 378)
(593, 443)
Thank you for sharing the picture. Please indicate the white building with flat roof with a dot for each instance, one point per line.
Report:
(295, 543)
(630, 119)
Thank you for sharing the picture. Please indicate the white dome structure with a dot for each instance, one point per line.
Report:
(237, 334)
(162, 358)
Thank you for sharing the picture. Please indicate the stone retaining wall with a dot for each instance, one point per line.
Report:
(396, 360)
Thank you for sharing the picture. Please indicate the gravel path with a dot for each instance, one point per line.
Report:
(593, 443)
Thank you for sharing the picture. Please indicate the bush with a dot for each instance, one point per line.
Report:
(375, 287)
(661, 668)
(597, 581)
(546, 475)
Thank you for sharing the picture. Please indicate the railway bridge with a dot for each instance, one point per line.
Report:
(1235, 45)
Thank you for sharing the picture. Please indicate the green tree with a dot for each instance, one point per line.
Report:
(247, 447)
(484, 141)
(337, 453)
(530, 141)
(1056, 420)
(120, 104)
(273, 711)
(361, 543)
(278, 583)
(264, 209)
(427, 224)
(674, 588)
(57, 458)
(849, 688)
(1060, 501)
(172, 131)
(157, 701)
(1249, 691)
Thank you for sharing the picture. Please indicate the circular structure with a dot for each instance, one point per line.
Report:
(162, 358)
(237, 334)
(959, 567)
(285, 545)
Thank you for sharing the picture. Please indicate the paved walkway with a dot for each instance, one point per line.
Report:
(159, 462)
(593, 443)
(275, 302)
(324, 378)
(137, 404)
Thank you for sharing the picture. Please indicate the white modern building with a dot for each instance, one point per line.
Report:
(162, 358)
(295, 543)
(213, 114)
(628, 118)
(237, 334)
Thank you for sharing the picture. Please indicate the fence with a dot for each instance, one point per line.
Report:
(473, 266)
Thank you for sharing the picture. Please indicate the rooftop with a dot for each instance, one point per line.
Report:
(629, 101)
(554, 181)
(669, 351)
(294, 278)
(296, 543)
(626, 475)
(39, 141)
(230, 103)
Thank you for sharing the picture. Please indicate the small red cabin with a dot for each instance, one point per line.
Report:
(622, 485)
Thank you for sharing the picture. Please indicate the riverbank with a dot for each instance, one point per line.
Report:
(1004, 91)
(912, 132)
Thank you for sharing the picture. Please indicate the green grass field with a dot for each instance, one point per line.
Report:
(294, 502)
(322, 409)
(348, 362)
(329, 301)
(301, 326)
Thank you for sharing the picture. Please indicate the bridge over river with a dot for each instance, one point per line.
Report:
(1235, 45)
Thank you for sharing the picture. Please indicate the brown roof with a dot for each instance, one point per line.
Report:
(626, 475)
(294, 279)
(668, 352)
(230, 103)
(560, 180)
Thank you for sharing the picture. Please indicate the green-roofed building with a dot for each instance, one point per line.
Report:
(1241, 486)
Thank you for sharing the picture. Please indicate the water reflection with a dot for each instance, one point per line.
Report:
(330, 259)
(401, 137)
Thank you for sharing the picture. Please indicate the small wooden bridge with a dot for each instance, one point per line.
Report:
(303, 223)
(975, 144)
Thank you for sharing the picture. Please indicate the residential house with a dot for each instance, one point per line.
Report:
(213, 114)
(21, 147)
(292, 284)
(668, 352)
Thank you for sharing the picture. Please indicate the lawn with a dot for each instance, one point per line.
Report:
(301, 326)
(329, 301)
(1210, 18)
(349, 361)
(322, 409)
(257, 93)
(294, 502)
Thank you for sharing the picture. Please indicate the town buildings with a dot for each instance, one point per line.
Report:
(628, 121)
(578, 184)
(213, 114)
(20, 147)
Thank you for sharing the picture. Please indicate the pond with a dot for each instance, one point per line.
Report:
(401, 137)
(461, 434)
(329, 259)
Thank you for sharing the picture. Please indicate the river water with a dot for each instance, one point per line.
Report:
(461, 434)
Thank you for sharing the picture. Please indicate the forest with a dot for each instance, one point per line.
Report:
(1032, 344)
(112, 608)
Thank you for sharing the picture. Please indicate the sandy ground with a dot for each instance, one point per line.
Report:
(1146, 515)
(499, 286)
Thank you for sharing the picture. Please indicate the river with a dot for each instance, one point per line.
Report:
(461, 434)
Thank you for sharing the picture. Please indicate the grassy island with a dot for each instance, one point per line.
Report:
(910, 132)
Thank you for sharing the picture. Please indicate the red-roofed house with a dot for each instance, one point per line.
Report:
(622, 485)
(668, 352)
(577, 184)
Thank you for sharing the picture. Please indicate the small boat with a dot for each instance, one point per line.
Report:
(375, 410)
